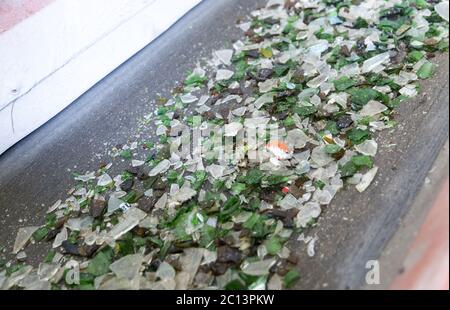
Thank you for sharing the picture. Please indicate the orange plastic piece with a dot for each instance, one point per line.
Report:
(278, 144)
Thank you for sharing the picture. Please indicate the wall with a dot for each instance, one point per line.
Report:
(55, 54)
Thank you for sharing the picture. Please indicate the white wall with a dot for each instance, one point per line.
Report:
(53, 57)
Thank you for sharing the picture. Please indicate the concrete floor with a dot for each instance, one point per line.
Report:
(418, 259)
(356, 228)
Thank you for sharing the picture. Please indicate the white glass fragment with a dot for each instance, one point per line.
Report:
(128, 221)
(216, 171)
(442, 9)
(373, 108)
(161, 168)
(224, 56)
(263, 100)
(224, 75)
(165, 271)
(184, 194)
(367, 179)
(232, 130)
(258, 268)
(188, 98)
(105, 180)
(60, 238)
(368, 148)
(127, 267)
(297, 138)
(23, 236)
(375, 64)
(308, 212)
(320, 157)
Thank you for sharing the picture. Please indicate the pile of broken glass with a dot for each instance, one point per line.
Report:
(329, 73)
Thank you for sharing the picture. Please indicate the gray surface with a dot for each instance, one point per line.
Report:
(405, 158)
(34, 173)
(394, 258)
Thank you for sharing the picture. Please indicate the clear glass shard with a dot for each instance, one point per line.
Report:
(23, 236)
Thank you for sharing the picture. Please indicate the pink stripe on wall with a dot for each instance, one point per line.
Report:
(427, 264)
(13, 12)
